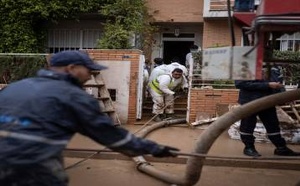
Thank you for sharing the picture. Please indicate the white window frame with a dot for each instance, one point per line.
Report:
(290, 42)
(70, 39)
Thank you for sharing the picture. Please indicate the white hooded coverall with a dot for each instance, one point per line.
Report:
(157, 71)
(162, 91)
(168, 69)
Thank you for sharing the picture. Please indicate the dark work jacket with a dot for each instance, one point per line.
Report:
(252, 89)
(39, 115)
(276, 75)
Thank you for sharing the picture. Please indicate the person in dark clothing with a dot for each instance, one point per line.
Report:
(39, 115)
(276, 75)
(249, 91)
(158, 61)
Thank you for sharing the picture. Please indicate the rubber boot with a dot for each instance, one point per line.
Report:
(285, 151)
(158, 118)
(251, 151)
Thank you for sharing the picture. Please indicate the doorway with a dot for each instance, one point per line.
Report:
(177, 49)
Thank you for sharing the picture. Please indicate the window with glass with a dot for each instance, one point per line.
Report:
(72, 39)
(289, 42)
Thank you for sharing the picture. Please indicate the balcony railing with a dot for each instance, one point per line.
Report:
(218, 8)
(219, 5)
(215, 8)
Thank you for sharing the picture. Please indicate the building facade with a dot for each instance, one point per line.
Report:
(180, 24)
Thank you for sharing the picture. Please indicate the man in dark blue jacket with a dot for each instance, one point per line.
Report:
(39, 115)
(249, 91)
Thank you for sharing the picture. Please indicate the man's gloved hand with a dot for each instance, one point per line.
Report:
(165, 151)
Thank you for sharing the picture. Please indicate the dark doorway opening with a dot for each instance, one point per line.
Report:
(177, 49)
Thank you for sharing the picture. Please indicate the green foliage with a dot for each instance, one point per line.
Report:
(286, 55)
(197, 56)
(115, 37)
(291, 70)
(223, 84)
(124, 19)
(13, 68)
(22, 22)
(129, 13)
(292, 73)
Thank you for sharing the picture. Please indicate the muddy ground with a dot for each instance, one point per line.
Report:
(116, 171)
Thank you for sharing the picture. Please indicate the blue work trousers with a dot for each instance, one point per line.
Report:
(49, 173)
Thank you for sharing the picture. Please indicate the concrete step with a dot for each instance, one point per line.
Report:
(180, 108)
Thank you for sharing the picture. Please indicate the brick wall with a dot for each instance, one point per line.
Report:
(206, 101)
(123, 55)
(216, 32)
(176, 11)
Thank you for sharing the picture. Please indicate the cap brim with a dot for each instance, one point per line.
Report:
(96, 67)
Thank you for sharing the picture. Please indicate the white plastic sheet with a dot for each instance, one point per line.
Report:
(290, 135)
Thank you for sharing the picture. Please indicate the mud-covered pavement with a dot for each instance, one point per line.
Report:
(117, 171)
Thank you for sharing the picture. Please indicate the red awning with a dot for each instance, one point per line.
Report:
(244, 18)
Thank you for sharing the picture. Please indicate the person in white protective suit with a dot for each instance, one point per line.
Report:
(189, 56)
(159, 70)
(167, 69)
(174, 65)
(162, 90)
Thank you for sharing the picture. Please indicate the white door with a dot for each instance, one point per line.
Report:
(140, 88)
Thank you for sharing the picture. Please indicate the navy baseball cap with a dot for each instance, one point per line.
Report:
(75, 57)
